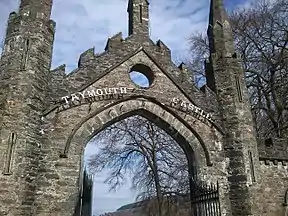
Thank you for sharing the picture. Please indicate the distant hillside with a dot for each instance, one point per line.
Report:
(176, 206)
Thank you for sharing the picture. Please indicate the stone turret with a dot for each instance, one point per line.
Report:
(138, 17)
(226, 78)
(219, 30)
(42, 9)
(24, 77)
(220, 37)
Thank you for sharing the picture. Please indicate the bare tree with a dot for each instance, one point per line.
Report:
(136, 147)
(199, 52)
(261, 39)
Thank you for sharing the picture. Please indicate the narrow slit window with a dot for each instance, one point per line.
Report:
(9, 154)
(252, 167)
(141, 14)
(25, 54)
(239, 89)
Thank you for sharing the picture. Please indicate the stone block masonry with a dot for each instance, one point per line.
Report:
(47, 117)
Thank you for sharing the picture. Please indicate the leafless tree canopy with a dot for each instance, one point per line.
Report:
(261, 38)
(138, 148)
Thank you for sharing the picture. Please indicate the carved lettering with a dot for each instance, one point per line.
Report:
(197, 110)
(123, 90)
(118, 93)
(65, 98)
(99, 92)
(183, 104)
(175, 101)
(74, 97)
(189, 107)
(114, 90)
(91, 93)
(108, 91)
(82, 94)
(209, 117)
(105, 93)
(201, 113)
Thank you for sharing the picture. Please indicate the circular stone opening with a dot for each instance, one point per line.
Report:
(141, 75)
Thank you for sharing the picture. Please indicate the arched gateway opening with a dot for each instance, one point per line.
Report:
(190, 133)
(200, 197)
(136, 149)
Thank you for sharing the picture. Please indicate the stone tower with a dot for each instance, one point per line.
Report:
(138, 17)
(225, 77)
(24, 77)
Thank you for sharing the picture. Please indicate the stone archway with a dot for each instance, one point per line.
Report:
(67, 150)
(72, 121)
(87, 131)
(100, 119)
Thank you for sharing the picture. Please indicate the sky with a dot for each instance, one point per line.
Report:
(88, 23)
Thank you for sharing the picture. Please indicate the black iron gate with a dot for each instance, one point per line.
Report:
(205, 200)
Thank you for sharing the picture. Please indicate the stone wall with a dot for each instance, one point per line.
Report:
(272, 184)
(24, 77)
(42, 138)
(69, 129)
(270, 190)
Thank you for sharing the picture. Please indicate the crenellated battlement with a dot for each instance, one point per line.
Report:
(183, 67)
(12, 16)
(204, 93)
(57, 83)
(278, 163)
(86, 56)
(163, 48)
(114, 41)
(52, 25)
(60, 70)
(36, 9)
(185, 72)
(273, 150)
(15, 22)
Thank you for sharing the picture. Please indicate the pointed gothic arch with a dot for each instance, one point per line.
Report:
(198, 153)
(98, 120)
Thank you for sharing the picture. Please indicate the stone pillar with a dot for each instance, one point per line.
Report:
(227, 78)
(24, 76)
(138, 17)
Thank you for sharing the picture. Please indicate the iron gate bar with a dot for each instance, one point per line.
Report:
(205, 200)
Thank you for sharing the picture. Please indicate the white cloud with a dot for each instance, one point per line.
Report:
(87, 23)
